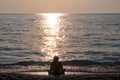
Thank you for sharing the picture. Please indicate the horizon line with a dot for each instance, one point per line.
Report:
(60, 13)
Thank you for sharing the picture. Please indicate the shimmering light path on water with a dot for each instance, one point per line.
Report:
(51, 27)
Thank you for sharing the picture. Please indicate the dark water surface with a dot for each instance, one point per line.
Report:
(84, 42)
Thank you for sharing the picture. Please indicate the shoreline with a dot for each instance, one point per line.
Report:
(72, 73)
(73, 76)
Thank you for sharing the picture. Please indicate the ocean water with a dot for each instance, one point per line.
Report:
(84, 42)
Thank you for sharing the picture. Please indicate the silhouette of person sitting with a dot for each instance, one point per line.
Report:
(56, 67)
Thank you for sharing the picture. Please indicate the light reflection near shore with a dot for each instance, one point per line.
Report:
(51, 27)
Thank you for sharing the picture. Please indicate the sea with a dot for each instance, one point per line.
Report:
(83, 42)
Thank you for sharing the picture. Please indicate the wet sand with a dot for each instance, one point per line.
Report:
(68, 76)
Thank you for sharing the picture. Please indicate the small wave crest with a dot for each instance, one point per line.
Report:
(10, 49)
(73, 66)
(68, 63)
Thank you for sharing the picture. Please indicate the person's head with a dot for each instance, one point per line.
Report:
(56, 58)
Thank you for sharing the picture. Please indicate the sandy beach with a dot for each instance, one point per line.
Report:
(40, 76)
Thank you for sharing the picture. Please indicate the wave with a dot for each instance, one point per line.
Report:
(2, 40)
(10, 49)
(67, 63)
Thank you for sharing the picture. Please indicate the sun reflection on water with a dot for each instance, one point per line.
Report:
(51, 25)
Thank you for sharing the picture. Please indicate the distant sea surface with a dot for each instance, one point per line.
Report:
(83, 42)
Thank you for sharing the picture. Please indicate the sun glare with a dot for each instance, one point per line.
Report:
(51, 27)
(52, 21)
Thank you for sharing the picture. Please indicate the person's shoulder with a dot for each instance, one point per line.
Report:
(60, 62)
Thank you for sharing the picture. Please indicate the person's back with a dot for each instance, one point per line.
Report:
(56, 67)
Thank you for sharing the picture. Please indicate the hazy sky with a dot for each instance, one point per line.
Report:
(62, 6)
